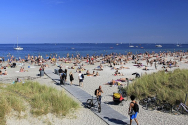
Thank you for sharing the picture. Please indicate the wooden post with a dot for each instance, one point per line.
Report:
(186, 98)
(127, 83)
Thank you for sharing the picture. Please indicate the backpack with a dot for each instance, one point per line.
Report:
(82, 76)
(63, 76)
(96, 92)
(136, 107)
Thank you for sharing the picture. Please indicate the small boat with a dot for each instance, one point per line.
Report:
(178, 45)
(111, 47)
(18, 47)
(72, 48)
(158, 45)
(117, 44)
(136, 46)
(130, 45)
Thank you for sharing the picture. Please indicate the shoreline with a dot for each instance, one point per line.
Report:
(86, 48)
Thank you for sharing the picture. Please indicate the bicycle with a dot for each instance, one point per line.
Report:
(180, 109)
(123, 92)
(165, 107)
(150, 103)
(92, 103)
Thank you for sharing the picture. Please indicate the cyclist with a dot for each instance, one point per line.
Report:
(98, 94)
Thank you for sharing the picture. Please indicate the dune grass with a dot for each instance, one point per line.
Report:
(42, 99)
(9, 102)
(169, 86)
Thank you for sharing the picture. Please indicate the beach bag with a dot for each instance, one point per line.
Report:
(63, 76)
(82, 76)
(136, 107)
(71, 77)
(132, 112)
(96, 92)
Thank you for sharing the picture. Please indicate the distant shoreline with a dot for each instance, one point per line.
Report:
(61, 49)
(95, 43)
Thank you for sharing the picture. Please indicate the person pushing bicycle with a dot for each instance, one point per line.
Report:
(98, 94)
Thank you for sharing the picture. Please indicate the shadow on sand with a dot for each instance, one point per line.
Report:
(116, 121)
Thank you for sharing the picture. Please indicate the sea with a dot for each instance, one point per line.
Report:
(61, 49)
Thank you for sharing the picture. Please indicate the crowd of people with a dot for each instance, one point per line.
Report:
(113, 61)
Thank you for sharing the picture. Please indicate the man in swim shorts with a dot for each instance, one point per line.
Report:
(132, 106)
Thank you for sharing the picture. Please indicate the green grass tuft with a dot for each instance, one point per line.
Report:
(170, 86)
(43, 99)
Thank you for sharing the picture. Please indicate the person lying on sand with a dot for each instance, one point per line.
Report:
(88, 73)
(97, 74)
(3, 67)
(100, 67)
(113, 82)
(146, 68)
(6, 73)
(124, 79)
(118, 73)
(21, 69)
(72, 67)
(122, 67)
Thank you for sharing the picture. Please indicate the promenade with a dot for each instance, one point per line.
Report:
(109, 115)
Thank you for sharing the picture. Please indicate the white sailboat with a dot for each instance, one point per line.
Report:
(18, 47)
(130, 45)
(158, 45)
(178, 44)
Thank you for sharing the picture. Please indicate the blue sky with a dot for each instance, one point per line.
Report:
(72, 21)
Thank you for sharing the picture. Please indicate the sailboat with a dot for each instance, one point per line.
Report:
(130, 45)
(18, 47)
(158, 45)
(178, 44)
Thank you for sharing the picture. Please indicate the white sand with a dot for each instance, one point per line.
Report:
(84, 116)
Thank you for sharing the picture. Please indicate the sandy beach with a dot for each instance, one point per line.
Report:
(84, 116)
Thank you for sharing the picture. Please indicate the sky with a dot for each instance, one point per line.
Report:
(94, 21)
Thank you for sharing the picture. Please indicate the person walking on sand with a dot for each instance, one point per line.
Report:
(71, 77)
(65, 74)
(60, 70)
(62, 78)
(133, 109)
(155, 65)
(81, 78)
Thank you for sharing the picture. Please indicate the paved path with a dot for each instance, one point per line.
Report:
(109, 115)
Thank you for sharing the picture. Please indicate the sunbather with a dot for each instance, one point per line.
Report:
(113, 82)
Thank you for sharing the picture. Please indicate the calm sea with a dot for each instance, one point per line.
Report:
(61, 49)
